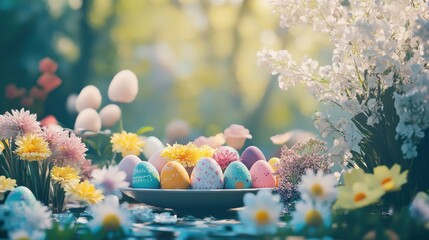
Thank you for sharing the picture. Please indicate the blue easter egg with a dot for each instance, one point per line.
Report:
(237, 176)
(145, 175)
(21, 194)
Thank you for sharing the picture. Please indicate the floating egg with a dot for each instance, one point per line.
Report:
(274, 163)
(225, 155)
(151, 146)
(251, 155)
(174, 176)
(237, 176)
(262, 175)
(145, 175)
(158, 161)
(127, 164)
(207, 174)
(20, 194)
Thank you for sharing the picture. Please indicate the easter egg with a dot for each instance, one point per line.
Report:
(225, 155)
(174, 176)
(207, 174)
(274, 163)
(20, 194)
(89, 97)
(158, 161)
(151, 146)
(262, 175)
(250, 155)
(237, 176)
(145, 176)
(127, 164)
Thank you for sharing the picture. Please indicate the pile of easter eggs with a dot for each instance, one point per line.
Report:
(225, 169)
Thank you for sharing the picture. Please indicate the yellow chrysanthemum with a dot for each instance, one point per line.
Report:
(1, 147)
(65, 175)
(187, 155)
(6, 184)
(32, 148)
(84, 192)
(389, 179)
(126, 143)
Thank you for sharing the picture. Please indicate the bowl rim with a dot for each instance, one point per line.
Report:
(192, 190)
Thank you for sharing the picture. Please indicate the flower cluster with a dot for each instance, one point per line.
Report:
(23, 221)
(362, 189)
(379, 60)
(294, 162)
(187, 155)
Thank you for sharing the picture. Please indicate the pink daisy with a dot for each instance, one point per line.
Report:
(18, 123)
(66, 147)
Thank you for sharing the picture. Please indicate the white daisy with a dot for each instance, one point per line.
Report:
(29, 218)
(110, 216)
(261, 213)
(26, 235)
(110, 180)
(318, 186)
(312, 215)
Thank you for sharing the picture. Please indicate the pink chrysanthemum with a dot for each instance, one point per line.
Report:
(67, 148)
(86, 169)
(18, 123)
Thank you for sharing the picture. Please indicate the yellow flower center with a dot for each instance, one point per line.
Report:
(23, 238)
(317, 190)
(313, 218)
(359, 196)
(111, 222)
(388, 184)
(262, 217)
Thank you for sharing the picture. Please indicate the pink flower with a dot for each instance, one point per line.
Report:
(236, 135)
(213, 141)
(37, 93)
(49, 82)
(292, 137)
(225, 155)
(66, 147)
(86, 169)
(48, 120)
(47, 65)
(27, 101)
(13, 92)
(18, 123)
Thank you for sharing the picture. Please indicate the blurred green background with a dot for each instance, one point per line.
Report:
(195, 60)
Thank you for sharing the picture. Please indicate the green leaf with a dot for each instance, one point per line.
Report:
(144, 129)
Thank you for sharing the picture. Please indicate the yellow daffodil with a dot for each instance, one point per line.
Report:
(65, 175)
(126, 143)
(32, 148)
(354, 176)
(187, 155)
(389, 179)
(84, 192)
(358, 195)
(6, 184)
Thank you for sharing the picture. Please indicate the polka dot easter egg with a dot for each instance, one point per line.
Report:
(207, 174)
(262, 175)
(174, 176)
(237, 176)
(145, 175)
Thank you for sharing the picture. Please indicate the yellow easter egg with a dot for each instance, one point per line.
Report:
(274, 163)
(174, 176)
